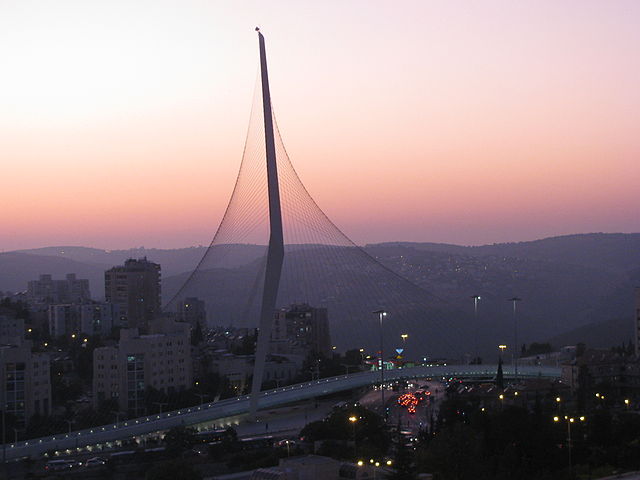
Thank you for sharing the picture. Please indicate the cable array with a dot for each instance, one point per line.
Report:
(322, 267)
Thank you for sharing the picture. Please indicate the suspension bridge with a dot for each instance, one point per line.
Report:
(207, 413)
(302, 256)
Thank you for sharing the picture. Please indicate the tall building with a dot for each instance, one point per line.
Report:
(11, 330)
(25, 379)
(302, 328)
(192, 310)
(46, 290)
(160, 359)
(636, 335)
(135, 289)
(87, 318)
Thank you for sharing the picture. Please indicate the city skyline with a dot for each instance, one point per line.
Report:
(496, 123)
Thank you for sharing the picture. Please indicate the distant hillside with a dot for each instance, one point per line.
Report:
(612, 251)
(173, 261)
(566, 283)
(16, 269)
(597, 335)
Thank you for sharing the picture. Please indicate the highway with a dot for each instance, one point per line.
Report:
(208, 412)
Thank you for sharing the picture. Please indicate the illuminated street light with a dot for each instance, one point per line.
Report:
(502, 349)
(353, 419)
(569, 421)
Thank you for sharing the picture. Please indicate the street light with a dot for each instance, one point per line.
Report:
(569, 421)
(353, 419)
(502, 348)
(515, 300)
(475, 316)
(381, 314)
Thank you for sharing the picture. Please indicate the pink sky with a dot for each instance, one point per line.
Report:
(122, 123)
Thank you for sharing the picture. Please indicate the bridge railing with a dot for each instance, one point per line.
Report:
(210, 411)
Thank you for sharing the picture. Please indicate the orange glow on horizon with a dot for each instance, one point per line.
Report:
(123, 124)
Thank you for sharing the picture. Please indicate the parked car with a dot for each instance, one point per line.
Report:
(59, 465)
(95, 462)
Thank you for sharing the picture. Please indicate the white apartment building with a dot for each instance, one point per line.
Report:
(161, 359)
(25, 382)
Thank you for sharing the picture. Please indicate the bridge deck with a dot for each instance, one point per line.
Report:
(240, 405)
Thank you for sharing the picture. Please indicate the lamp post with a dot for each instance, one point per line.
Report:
(569, 421)
(353, 419)
(502, 348)
(515, 300)
(475, 316)
(381, 314)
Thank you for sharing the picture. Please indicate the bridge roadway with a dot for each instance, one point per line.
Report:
(207, 412)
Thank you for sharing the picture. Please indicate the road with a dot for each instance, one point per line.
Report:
(399, 415)
(232, 407)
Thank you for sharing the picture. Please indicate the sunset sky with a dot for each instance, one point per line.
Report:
(122, 123)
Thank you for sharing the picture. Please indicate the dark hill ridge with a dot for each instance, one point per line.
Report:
(612, 251)
(173, 261)
(16, 269)
(566, 282)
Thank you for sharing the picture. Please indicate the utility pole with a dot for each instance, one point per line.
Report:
(516, 350)
(381, 314)
(475, 316)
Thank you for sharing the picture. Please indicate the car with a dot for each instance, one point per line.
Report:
(95, 462)
(285, 442)
(59, 465)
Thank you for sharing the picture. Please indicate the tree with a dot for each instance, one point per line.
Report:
(455, 453)
(179, 439)
(403, 463)
(500, 375)
(173, 470)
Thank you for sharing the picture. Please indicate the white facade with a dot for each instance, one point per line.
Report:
(25, 382)
(46, 290)
(160, 360)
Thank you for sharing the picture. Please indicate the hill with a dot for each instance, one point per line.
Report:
(611, 251)
(16, 269)
(566, 283)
